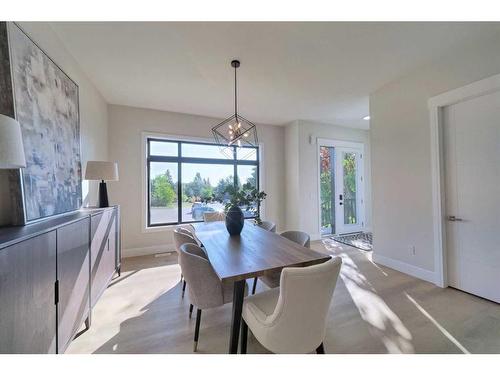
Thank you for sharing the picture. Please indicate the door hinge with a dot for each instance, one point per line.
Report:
(56, 292)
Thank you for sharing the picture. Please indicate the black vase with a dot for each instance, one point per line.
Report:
(234, 220)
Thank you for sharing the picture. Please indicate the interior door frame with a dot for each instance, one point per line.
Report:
(436, 104)
(358, 146)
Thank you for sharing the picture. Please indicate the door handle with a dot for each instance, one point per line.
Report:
(454, 218)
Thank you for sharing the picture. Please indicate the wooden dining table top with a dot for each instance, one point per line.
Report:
(253, 253)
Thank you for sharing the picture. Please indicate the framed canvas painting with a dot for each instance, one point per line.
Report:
(46, 105)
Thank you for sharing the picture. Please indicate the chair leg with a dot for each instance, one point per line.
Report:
(244, 336)
(183, 288)
(190, 311)
(320, 349)
(254, 285)
(197, 330)
(181, 277)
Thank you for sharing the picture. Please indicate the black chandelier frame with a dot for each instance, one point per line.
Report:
(239, 132)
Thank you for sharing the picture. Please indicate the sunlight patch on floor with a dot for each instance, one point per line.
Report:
(383, 322)
(443, 330)
(369, 256)
(107, 319)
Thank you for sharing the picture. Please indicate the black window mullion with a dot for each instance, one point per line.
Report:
(235, 169)
(257, 180)
(149, 194)
(179, 185)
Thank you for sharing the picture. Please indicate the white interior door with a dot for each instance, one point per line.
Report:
(349, 190)
(471, 140)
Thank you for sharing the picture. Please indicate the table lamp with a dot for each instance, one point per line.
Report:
(103, 171)
(11, 144)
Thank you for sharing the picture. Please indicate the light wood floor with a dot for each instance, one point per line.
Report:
(374, 310)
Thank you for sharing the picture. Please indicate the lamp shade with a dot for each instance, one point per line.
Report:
(101, 170)
(11, 144)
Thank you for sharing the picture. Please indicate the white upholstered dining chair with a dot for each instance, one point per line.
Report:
(273, 280)
(182, 236)
(292, 318)
(189, 230)
(205, 289)
(213, 216)
(268, 225)
(302, 238)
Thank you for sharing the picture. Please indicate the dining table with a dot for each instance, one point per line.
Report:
(253, 253)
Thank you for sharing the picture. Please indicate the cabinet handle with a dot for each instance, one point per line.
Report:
(56, 292)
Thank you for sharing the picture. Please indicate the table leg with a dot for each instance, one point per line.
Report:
(238, 295)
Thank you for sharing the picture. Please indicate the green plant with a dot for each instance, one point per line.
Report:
(245, 196)
(163, 190)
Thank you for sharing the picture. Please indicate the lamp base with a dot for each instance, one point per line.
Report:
(103, 195)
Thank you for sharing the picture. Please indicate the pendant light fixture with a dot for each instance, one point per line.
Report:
(235, 130)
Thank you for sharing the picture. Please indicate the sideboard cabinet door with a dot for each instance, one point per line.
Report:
(73, 273)
(27, 296)
(103, 252)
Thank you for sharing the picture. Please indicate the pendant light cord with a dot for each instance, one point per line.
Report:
(235, 94)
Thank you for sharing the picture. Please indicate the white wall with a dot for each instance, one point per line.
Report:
(401, 164)
(93, 108)
(126, 125)
(292, 209)
(302, 179)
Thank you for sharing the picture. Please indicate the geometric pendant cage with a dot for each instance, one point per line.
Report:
(235, 130)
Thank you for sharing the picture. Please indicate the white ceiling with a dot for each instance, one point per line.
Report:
(312, 71)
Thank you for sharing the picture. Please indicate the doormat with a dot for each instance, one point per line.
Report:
(361, 240)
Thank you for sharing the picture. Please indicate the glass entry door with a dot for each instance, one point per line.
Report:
(327, 189)
(341, 187)
(349, 192)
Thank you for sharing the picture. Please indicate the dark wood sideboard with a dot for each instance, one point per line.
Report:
(52, 273)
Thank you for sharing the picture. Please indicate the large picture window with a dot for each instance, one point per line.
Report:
(183, 177)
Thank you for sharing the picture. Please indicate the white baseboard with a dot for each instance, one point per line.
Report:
(409, 269)
(150, 250)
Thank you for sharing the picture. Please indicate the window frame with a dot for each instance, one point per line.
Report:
(179, 160)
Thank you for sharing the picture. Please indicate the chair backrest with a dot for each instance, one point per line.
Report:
(213, 216)
(298, 322)
(204, 287)
(185, 231)
(181, 237)
(268, 225)
(302, 238)
(188, 228)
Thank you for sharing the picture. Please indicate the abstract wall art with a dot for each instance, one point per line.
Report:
(46, 105)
